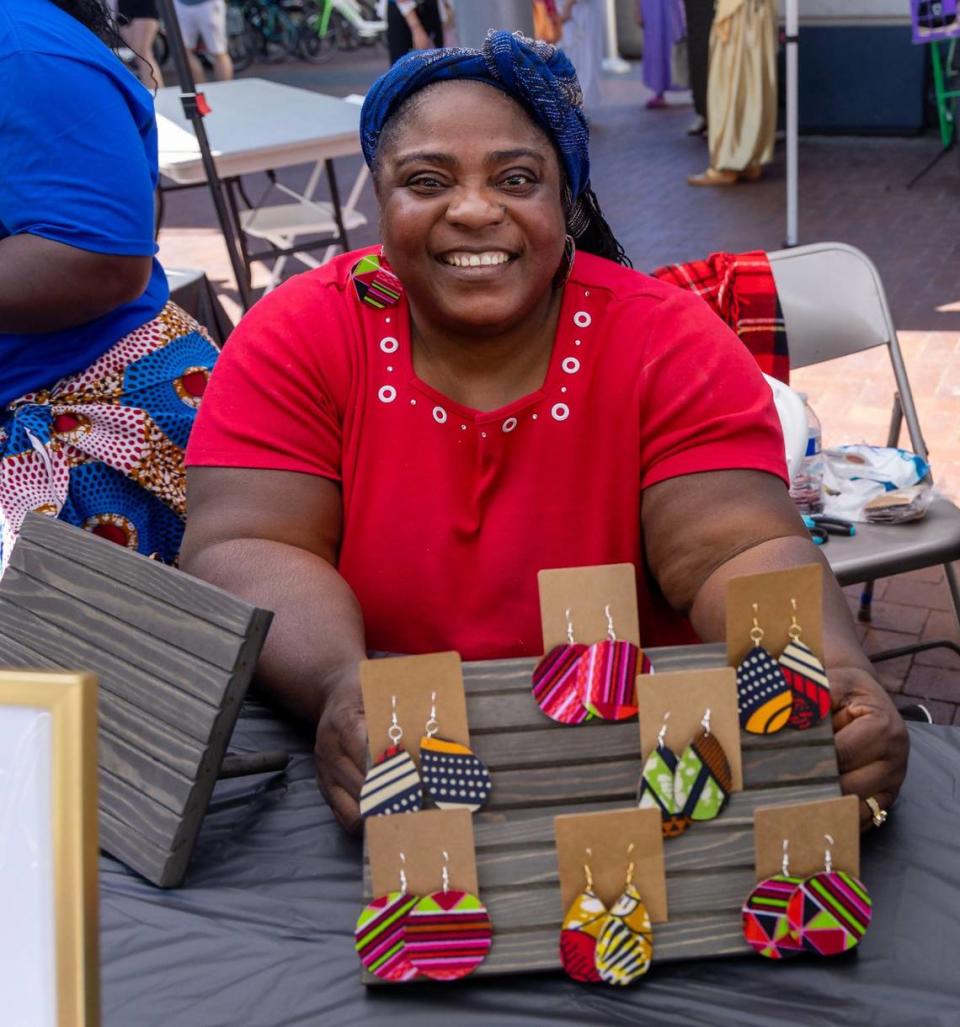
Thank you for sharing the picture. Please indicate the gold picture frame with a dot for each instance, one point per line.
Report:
(70, 702)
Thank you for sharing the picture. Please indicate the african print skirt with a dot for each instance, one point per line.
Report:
(103, 448)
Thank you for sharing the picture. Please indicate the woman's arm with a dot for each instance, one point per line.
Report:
(701, 530)
(46, 286)
(271, 537)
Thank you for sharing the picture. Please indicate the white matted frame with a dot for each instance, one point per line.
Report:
(49, 965)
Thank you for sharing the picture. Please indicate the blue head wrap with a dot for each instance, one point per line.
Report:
(537, 75)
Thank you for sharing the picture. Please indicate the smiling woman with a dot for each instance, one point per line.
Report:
(394, 444)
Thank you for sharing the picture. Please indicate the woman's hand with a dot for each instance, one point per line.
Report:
(871, 739)
(340, 750)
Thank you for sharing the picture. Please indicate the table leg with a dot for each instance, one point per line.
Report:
(231, 190)
(335, 200)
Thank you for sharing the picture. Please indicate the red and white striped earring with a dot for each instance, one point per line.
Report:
(555, 681)
(606, 676)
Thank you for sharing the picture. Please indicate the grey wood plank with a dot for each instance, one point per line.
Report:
(158, 780)
(164, 701)
(198, 678)
(156, 618)
(144, 814)
(199, 599)
(152, 861)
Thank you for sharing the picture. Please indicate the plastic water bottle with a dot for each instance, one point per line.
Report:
(806, 490)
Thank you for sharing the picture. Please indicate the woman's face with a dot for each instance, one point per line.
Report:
(471, 219)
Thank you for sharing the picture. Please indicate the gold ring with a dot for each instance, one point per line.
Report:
(879, 815)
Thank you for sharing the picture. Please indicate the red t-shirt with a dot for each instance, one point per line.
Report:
(449, 512)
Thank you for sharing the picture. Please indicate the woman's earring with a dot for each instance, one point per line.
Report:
(555, 681)
(830, 911)
(625, 945)
(392, 784)
(580, 931)
(607, 676)
(378, 936)
(807, 679)
(375, 284)
(703, 779)
(658, 786)
(763, 694)
(452, 774)
(765, 925)
(447, 934)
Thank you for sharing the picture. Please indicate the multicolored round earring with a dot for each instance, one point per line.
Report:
(764, 695)
(765, 925)
(807, 679)
(580, 931)
(703, 779)
(392, 784)
(830, 911)
(555, 681)
(625, 944)
(658, 786)
(454, 776)
(378, 936)
(447, 934)
(607, 676)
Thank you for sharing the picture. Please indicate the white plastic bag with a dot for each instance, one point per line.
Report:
(853, 475)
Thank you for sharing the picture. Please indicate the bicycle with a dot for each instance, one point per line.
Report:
(253, 26)
(331, 25)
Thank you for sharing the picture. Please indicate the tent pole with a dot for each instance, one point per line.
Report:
(792, 122)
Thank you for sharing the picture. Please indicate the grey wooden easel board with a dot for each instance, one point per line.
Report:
(173, 656)
(541, 769)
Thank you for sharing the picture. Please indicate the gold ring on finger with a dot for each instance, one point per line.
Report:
(879, 815)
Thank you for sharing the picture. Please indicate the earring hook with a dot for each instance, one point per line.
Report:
(785, 865)
(432, 724)
(828, 855)
(403, 873)
(756, 632)
(445, 873)
(587, 873)
(705, 723)
(662, 733)
(794, 631)
(631, 866)
(611, 634)
(395, 731)
(570, 638)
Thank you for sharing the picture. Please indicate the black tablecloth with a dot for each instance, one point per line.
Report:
(191, 291)
(261, 932)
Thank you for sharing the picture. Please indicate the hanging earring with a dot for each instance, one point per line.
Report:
(703, 780)
(374, 282)
(763, 694)
(658, 786)
(807, 679)
(448, 933)
(607, 676)
(765, 925)
(378, 936)
(625, 945)
(555, 681)
(452, 774)
(392, 784)
(580, 931)
(830, 911)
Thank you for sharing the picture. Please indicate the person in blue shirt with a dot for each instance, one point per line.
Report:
(100, 375)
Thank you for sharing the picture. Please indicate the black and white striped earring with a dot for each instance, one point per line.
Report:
(392, 784)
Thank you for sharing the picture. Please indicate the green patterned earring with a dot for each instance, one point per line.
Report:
(658, 786)
(703, 780)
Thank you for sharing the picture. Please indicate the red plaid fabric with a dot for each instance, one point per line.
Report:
(740, 288)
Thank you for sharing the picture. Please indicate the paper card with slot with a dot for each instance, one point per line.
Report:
(422, 838)
(586, 592)
(608, 836)
(413, 679)
(803, 826)
(686, 695)
(773, 592)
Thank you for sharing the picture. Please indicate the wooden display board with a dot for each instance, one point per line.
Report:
(541, 769)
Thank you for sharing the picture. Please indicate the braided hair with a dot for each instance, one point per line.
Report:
(97, 16)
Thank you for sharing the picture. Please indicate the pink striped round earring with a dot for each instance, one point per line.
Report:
(606, 676)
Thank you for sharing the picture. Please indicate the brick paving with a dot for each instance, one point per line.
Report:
(851, 189)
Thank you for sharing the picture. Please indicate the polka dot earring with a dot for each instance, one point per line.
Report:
(765, 925)
(606, 676)
(658, 786)
(580, 931)
(764, 696)
(447, 934)
(807, 679)
(454, 777)
(392, 784)
(703, 779)
(625, 944)
(830, 911)
(555, 681)
(378, 936)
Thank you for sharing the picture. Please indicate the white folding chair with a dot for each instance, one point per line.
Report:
(833, 304)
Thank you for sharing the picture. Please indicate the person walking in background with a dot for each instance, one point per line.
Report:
(139, 23)
(413, 25)
(741, 91)
(662, 22)
(206, 20)
(582, 42)
(699, 15)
